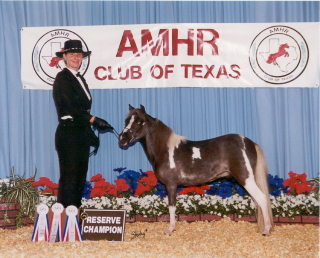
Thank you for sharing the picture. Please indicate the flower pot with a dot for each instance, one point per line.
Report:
(130, 220)
(10, 206)
(310, 219)
(11, 211)
(145, 219)
(163, 217)
(209, 217)
(275, 219)
(296, 219)
(189, 217)
(245, 218)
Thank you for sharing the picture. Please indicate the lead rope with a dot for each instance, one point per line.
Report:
(94, 152)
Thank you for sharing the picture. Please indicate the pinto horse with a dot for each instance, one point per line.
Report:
(177, 161)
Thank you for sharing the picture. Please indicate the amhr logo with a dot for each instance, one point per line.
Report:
(279, 55)
(44, 60)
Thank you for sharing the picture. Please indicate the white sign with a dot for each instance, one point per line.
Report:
(178, 55)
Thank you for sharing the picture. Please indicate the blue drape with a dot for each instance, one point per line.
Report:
(284, 121)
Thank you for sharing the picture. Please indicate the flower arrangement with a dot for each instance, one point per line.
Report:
(298, 184)
(47, 187)
(140, 193)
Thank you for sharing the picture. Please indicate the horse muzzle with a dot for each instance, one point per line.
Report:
(124, 139)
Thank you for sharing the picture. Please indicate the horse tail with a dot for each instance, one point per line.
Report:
(261, 178)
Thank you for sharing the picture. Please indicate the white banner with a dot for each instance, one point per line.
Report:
(178, 55)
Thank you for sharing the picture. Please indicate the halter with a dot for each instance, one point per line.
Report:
(134, 134)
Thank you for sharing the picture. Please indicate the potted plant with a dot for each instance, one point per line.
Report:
(18, 190)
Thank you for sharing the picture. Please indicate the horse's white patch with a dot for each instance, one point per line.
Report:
(172, 143)
(172, 226)
(251, 185)
(196, 153)
(256, 193)
(247, 163)
(128, 127)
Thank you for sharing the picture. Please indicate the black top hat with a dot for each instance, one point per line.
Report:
(74, 46)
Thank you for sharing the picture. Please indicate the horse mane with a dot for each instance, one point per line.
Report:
(165, 135)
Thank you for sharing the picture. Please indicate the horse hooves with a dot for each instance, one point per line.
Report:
(168, 232)
(266, 234)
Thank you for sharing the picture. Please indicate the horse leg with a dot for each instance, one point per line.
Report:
(172, 191)
(261, 199)
(257, 187)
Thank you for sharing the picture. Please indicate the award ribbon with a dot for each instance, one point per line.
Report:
(41, 226)
(72, 227)
(55, 231)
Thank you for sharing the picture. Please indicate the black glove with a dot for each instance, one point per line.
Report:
(101, 124)
(93, 140)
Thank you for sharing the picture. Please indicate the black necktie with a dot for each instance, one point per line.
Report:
(81, 77)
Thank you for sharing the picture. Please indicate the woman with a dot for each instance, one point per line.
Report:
(74, 135)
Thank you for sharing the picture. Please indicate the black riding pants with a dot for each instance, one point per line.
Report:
(73, 150)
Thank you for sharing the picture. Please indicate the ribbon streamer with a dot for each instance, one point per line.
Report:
(55, 231)
(72, 228)
(41, 226)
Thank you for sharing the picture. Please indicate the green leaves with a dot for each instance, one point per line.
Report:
(20, 191)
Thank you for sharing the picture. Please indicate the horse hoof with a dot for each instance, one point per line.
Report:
(167, 233)
(266, 234)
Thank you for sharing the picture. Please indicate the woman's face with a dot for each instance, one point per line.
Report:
(73, 60)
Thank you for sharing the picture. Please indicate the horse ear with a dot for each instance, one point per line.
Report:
(142, 108)
(130, 107)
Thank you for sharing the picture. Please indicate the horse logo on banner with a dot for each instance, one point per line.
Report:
(279, 55)
(44, 60)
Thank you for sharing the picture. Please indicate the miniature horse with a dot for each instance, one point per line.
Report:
(177, 161)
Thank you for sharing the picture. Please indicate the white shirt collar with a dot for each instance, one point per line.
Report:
(80, 81)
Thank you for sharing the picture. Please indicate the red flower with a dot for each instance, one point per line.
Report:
(151, 179)
(47, 191)
(122, 185)
(97, 192)
(304, 187)
(53, 185)
(205, 187)
(43, 181)
(194, 189)
(113, 190)
(297, 183)
(30, 179)
(141, 188)
(52, 188)
(96, 178)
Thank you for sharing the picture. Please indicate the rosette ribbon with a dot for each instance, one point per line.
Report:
(41, 226)
(55, 226)
(72, 228)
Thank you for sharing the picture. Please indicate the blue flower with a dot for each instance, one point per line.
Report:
(240, 190)
(131, 178)
(275, 193)
(161, 190)
(86, 190)
(212, 190)
(119, 170)
(224, 192)
(276, 185)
